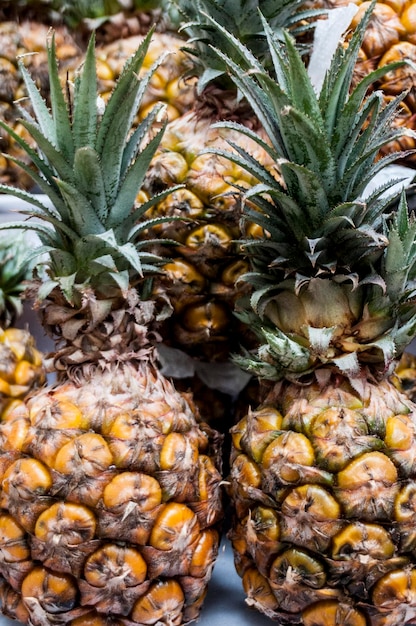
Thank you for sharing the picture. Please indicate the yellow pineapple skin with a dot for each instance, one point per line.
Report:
(167, 85)
(26, 40)
(404, 377)
(21, 368)
(322, 483)
(110, 503)
(390, 36)
(202, 274)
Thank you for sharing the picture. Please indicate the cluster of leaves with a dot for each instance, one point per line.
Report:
(15, 272)
(91, 162)
(242, 20)
(326, 146)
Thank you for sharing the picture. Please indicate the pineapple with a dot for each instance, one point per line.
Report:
(112, 18)
(26, 40)
(404, 376)
(167, 86)
(390, 36)
(202, 274)
(118, 36)
(110, 482)
(323, 472)
(119, 27)
(21, 364)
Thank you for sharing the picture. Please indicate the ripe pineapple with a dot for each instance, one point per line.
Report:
(390, 36)
(25, 39)
(119, 28)
(110, 484)
(203, 271)
(118, 35)
(21, 366)
(404, 376)
(323, 472)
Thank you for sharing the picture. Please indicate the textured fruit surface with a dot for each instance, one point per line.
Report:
(323, 483)
(111, 503)
(26, 40)
(21, 367)
(390, 36)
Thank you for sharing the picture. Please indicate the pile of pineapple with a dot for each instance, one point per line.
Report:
(21, 363)
(248, 239)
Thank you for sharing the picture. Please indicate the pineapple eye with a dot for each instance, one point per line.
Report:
(178, 452)
(405, 505)
(233, 272)
(89, 452)
(28, 478)
(174, 526)
(59, 414)
(209, 318)
(300, 564)
(393, 588)
(163, 598)
(368, 486)
(209, 234)
(129, 487)
(65, 523)
(264, 523)
(400, 432)
(204, 553)
(358, 540)
(246, 472)
(182, 203)
(56, 593)
(332, 613)
(13, 543)
(15, 428)
(113, 562)
(286, 455)
(310, 517)
(169, 168)
(258, 591)
(186, 274)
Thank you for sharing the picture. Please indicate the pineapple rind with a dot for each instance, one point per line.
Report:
(350, 527)
(130, 414)
(320, 485)
(202, 324)
(111, 419)
(21, 364)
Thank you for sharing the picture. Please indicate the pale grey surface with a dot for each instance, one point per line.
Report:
(224, 604)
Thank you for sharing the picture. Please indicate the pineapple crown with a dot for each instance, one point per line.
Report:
(75, 11)
(15, 272)
(241, 19)
(91, 162)
(333, 277)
